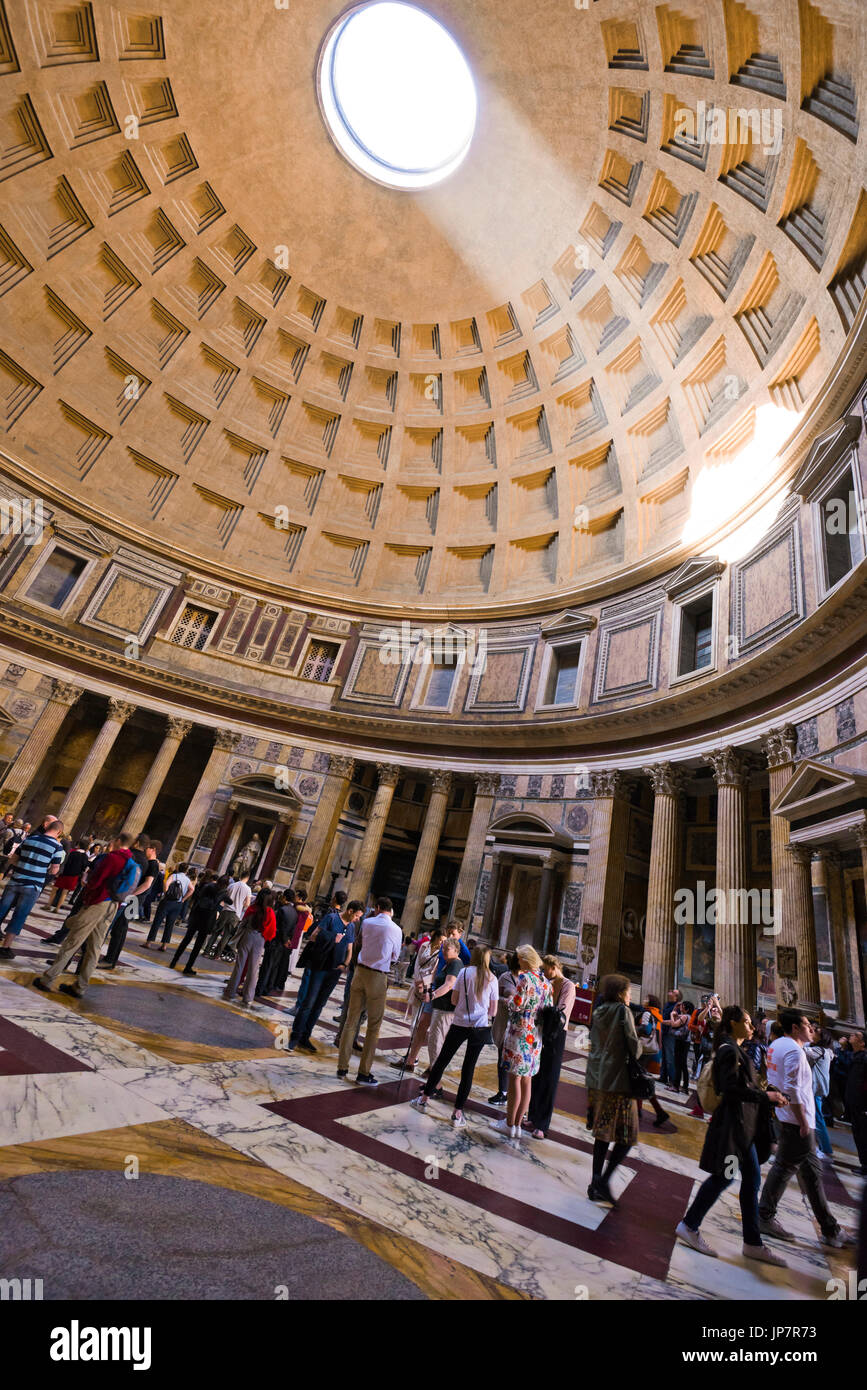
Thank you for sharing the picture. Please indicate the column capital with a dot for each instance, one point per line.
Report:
(780, 745)
(340, 766)
(861, 836)
(729, 766)
(226, 740)
(64, 693)
(802, 854)
(667, 779)
(120, 710)
(611, 784)
(389, 774)
(441, 782)
(177, 728)
(487, 783)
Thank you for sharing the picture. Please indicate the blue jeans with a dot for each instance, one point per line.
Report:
(320, 984)
(18, 898)
(822, 1137)
(713, 1186)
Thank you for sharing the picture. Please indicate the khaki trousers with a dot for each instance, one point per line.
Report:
(89, 928)
(441, 1022)
(368, 992)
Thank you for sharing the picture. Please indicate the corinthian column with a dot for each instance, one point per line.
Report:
(225, 743)
(487, 785)
(805, 928)
(362, 874)
(660, 939)
(826, 868)
(427, 852)
(119, 711)
(176, 732)
(39, 741)
(735, 936)
(602, 904)
(316, 855)
(779, 747)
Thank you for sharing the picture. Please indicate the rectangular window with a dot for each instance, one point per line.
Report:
(835, 510)
(320, 661)
(56, 579)
(563, 676)
(440, 683)
(696, 636)
(194, 627)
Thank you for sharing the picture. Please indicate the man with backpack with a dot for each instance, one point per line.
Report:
(179, 888)
(112, 877)
(144, 852)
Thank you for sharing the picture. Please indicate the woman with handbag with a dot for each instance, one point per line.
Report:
(612, 1109)
(650, 1036)
(475, 998)
(739, 1130)
(507, 984)
(544, 1087)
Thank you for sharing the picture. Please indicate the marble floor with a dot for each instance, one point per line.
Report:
(153, 1076)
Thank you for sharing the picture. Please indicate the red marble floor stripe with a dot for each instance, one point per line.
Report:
(639, 1236)
(31, 1054)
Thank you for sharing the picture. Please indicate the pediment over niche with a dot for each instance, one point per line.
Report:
(825, 453)
(81, 534)
(692, 573)
(570, 623)
(817, 787)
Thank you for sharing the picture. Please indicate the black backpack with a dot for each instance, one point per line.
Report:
(174, 892)
(550, 1022)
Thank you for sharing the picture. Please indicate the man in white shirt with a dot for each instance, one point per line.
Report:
(789, 1072)
(381, 942)
(228, 923)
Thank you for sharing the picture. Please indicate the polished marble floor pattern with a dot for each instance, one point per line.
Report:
(134, 1072)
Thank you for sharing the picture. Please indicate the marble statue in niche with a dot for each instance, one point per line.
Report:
(247, 858)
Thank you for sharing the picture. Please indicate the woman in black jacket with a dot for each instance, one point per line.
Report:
(738, 1138)
(211, 895)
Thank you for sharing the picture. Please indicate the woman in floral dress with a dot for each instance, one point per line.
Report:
(522, 1045)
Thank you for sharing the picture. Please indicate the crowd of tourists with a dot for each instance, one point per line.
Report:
(771, 1089)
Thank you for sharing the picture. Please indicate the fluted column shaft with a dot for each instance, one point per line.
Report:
(225, 743)
(735, 935)
(660, 938)
(39, 741)
(779, 746)
(487, 784)
(119, 711)
(826, 869)
(141, 808)
(805, 928)
(362, 874)
(427, 852)
(316, 854)
(606, 865)
(542, 930)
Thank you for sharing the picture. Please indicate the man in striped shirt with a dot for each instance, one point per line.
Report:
(36, 859)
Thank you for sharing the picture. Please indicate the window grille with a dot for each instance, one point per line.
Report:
(320, 661)
(194, 627)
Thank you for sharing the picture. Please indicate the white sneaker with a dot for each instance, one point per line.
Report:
(501, 1127)
(695, 1239)
(420, 1103)
(843, 1240)
(458, 1121)
(764, 1255)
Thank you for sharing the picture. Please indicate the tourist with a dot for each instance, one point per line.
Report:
(330, 952)
(258, 926)
(739, 1129)
(276, 951)
(179, 888)
(474, 1000)
(145, 853)
(440, 997)
(856, 1096)
(819, 1053)
(649, 1035)
(303, 923)
(522, 1044)
(287, 918)
(33, 861)
(666, 1075)
(507, 983)
(109, 882)
(419, 1002)
(679, 1030)
(789, 1073)
(612, 1112)
(544, 1086)
(228, 924)
(330, 916)
(69, 876)
(379, 950)
(213, 895)
(455, 930)
(157, 888)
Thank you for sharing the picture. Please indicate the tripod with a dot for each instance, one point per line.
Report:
(411, 1036)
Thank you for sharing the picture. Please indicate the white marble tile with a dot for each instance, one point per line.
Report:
(50, 1107)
